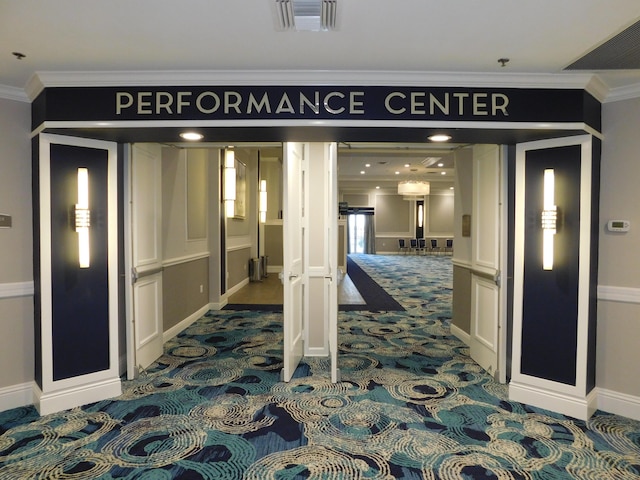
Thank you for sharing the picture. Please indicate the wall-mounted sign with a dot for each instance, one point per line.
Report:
(314, 102)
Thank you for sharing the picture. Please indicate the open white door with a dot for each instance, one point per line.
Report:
(488, 301)
(293, 251)
(144, 322)
(331, 162)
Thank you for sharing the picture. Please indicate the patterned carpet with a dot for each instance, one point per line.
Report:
(411, 404)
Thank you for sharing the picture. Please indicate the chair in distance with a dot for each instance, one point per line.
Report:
(448, 248)
(402, 246)
(422, 246)
(434, 248)
(413, 245)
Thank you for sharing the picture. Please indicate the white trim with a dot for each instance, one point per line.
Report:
(15, 396)
(627, 92)
(522, 381)
(458, 262)
(316, 352)
(66, 393)
(577, 407)
(16, 289)
(305, 77)
(237, 287)
(619, 403)
(218, 305)
(461, 335)
(76, 396)
(618, 294)
(238, 243)
(13, 93)
(184, 259)
(176, 329)
(281, 122)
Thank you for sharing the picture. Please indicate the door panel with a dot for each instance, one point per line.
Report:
(331, 159)
(293, 261)
(146, 256)
(488, 228)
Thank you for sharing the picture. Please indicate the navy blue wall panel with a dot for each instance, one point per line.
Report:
(550, 298)
(80, 297)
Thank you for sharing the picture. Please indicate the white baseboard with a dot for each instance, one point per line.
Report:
(619, 403)
(59, 400)
(237, 287)
(176, 329)
(16, 396)
(576, 407)
(461, 335)
(316, 352)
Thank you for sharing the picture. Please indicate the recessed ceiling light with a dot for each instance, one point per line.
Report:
(407, 165)
(450, 188)
(441, 164)
(440, 137)
(192, 136)
(367, 165)
(377, 187)
(361, 172)
(443, 173)
(397, 173)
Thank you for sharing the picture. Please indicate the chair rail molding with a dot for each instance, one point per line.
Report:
(16, 289)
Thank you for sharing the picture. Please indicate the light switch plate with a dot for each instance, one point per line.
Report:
(5, 221)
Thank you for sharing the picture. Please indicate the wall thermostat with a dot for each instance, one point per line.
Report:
(618, 225)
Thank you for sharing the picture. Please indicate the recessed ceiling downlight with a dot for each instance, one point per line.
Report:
(440, 137)
(191, 136)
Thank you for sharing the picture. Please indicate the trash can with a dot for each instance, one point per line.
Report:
(265, 264)
(255, 270)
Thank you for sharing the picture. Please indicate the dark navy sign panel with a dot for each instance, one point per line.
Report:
(80, 297)
(315, 102)
(550, 297)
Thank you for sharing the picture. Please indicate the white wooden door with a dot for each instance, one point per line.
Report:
(331, 159)
(145, 326)
(488, 257)
(293, 251)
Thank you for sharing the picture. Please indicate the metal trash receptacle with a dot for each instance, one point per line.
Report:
(255, 270)
(265, 263)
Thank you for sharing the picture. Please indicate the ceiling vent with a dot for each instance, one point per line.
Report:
(306, 15)
(621, 52)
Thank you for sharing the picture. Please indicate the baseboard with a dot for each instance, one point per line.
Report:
(619, 403)
(76, 396)
(237, 287)
(15, 396)
(576, 407)
(219, 305)
(176, 329)
(316, 352)
(461, 335)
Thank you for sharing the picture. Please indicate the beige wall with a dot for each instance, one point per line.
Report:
(16, 246)
(618, 355)
(185, 289)
(238, 266)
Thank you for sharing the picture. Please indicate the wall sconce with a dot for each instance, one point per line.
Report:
(229, 182)
(83, 218)
(263, 201)
(420, 215)
(549, 219)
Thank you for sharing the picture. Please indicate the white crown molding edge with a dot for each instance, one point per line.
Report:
(618, 94)
(619, 294)
(13, 93)
(17, 289)
(40, 80)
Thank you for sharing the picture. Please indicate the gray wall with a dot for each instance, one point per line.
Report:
(618, 355)
(16, 246)
(185, 290)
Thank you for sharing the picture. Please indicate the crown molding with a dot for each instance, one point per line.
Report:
(13, 93)
(627, 92)
(40, 80)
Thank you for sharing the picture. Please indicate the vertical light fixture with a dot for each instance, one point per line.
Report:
(263, 201)
(83, 218)
(420, 215)
(229, 182)
(549, 219)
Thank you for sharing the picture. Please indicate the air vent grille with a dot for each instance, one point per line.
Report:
(622, 52)
(306, 15)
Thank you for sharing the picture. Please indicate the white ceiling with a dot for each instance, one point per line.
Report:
(399, 37)
(539, 37)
